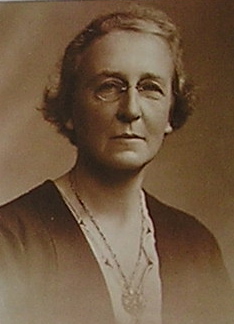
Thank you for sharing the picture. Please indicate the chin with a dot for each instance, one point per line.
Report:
(128, 162)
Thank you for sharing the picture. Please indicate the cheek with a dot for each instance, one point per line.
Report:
(90, 121)
(157, 121)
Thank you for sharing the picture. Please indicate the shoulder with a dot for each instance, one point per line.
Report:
(36, 217)
(22, 219)
(28, 228)
(32, 201)
(185, 244)
(181, 230)
(29, 198)
(189, 256)
(174, 218)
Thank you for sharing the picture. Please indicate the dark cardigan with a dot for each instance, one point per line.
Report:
(49, 275)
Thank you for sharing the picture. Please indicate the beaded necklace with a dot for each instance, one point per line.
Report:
(132, 298)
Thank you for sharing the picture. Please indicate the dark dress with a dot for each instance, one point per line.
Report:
(49, 275)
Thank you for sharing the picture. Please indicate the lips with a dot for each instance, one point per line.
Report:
(128, 136)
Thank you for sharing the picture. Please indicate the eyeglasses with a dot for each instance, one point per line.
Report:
(112, 89)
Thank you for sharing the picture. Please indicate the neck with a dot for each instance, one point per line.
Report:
(113, 193)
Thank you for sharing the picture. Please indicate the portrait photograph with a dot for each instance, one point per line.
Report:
(117, 162)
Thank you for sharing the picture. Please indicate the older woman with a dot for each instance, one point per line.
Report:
(92, 246)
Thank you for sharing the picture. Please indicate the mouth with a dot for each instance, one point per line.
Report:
(128, 136)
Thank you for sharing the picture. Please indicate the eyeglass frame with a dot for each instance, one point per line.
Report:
(124, 86)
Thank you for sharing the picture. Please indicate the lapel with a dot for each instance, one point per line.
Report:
(80, 279)
(79, 282)
(64, 281)
(78, 285)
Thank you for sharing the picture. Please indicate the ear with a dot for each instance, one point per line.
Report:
(168, 128)
(69, 124)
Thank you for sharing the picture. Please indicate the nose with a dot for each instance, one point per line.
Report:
(129, 108)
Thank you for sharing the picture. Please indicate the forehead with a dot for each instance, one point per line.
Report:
(128, 52)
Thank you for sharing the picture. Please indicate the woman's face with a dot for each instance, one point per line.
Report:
(123, 99)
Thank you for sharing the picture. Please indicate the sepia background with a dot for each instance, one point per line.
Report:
(194, 171)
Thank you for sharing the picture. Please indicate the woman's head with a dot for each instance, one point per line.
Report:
(59, 100)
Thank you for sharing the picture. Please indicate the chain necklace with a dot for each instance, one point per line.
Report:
(132, 298)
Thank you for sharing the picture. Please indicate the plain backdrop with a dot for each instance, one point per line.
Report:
(195, 168)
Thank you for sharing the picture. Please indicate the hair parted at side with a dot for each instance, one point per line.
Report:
(59, 97)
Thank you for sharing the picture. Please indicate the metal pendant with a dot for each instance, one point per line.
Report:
(133, 301)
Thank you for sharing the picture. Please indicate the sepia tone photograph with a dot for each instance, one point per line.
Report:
(116, 162)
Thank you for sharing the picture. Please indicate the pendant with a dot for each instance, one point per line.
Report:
(133, 301)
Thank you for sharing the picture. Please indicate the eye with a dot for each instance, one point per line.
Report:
(150, 89)
(109, 89)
